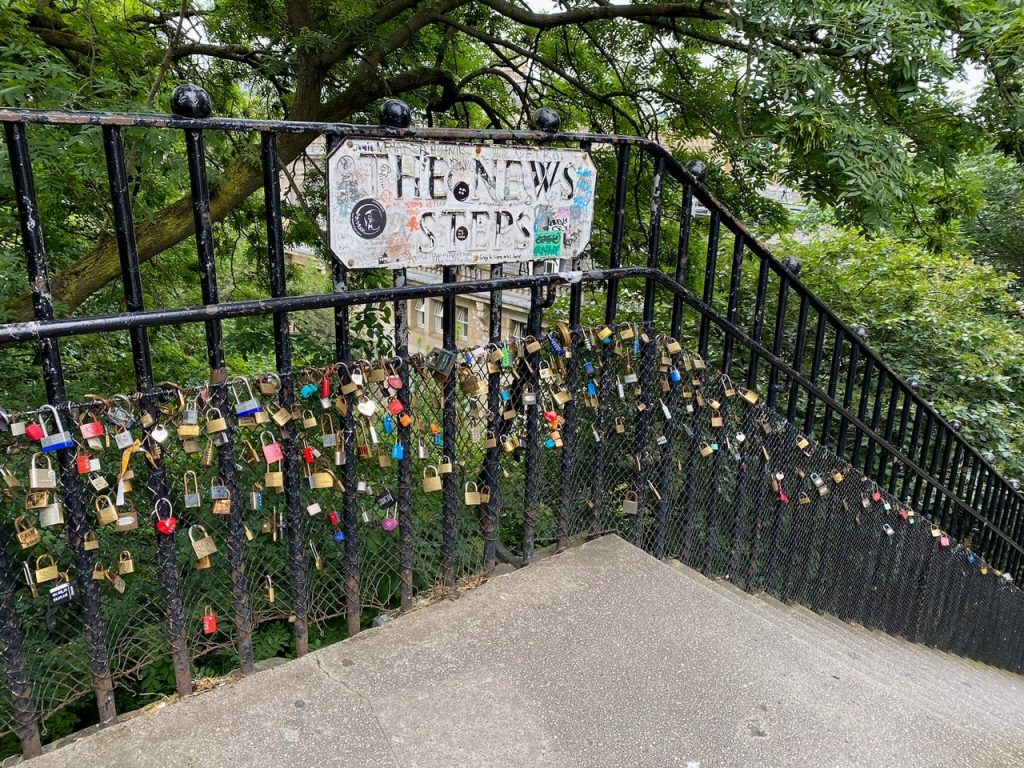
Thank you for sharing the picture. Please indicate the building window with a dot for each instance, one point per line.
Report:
(438, 316)
(421, 313)
(462, 323)
(516, 329)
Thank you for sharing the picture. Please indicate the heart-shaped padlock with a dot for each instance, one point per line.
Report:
(366, 406)
(166, 525)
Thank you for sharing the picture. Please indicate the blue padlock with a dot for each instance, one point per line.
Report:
(607, 340)
(556, 346)
(339, 537)
(308, 390)
(591, 388)
(675, 376)
(438, 439)
(971, 557)
(549, 443)
(397, 451)
(588, 367)
(636, 345)
(505, 396)
(389, 424)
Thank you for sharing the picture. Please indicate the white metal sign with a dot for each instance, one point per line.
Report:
(411, 203)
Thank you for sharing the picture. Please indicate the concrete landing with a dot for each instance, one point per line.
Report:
(599, 656)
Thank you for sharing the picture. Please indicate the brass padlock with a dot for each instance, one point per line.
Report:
(672, 346)
(281, 416)
(431, 480)
(308, 420)
(99, 572)
(269, 383)
(274, 478)
(269, 590)
(203, 545)
(620, 425)
(26, 532)
(37, 499)
(532, 345)
(106, 512)
(46, 569)
(716, 418)
(125, 563)
(472, 494)
(485, 494)
(215, 421)
(203, 563)
(748, 394)
(706, 450)
(490, 441)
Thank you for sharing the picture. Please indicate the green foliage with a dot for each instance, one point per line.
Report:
(938, 316)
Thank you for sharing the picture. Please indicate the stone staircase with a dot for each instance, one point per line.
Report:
(598, 656)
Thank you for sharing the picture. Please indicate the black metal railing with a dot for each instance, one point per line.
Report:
(769, 444)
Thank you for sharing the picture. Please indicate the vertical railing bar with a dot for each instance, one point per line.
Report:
(952, 478)
(884, 459)
(34, 247)
(920, 461)
(734, 300)
(757, 331)
(876, 418)
(403, 437)
(710, 268)
(942, 447)
(449, 435)
(833, 384)
(167, 563)
(597, 494)
(798, 357)
(494, 419)
(350, 503)
(862, 410)
(777, 337)
(531, 490)
(297, 569)
(682, 257)
(569, 431)
(819, 347)
(915, 433)
(647, 349)
(196, 152)
(851, 378)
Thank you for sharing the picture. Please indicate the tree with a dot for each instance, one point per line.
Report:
(848, 101)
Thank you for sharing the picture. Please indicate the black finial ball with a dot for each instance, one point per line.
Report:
(791, 264)
(547, 120)
(191, 101)
(698, 169)
(957, 425)
(914, 383)
(861, 332)
(988, 456)
(395, 113)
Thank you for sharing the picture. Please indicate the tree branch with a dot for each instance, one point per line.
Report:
(712, 11)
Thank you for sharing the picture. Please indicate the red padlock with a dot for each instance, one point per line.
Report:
(34, 432)
(395, 407)
(551, 416)
(165, 525)
(209, 621)
(876, 495)
(334, 517)
(91, 429)
(83, 464)
(307, 455)
(325, 387)
(395, 382)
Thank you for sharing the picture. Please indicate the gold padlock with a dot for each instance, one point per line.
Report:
(203, 545)
(46, 568)
(716, 418)
(490, 441)
(672, 346)
(203, 563)
(106, 512)
(444, 467)
(27, 533)
(532, 345)
(90, 542)
(215, 421)
(431, 482)
(125, 563)
(41, 478)
(269, 590)
(706, 450)
(620, 425)
(485, 494)
(37, 499)
(472, 494)
(99, 572)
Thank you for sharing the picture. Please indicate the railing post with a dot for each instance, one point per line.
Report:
(494, 420)
(53, 377)
(190, 101)
(286, 397)
(531, 467)
(166, 546)
(449, 434)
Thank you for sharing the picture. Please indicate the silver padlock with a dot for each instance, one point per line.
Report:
(159, 434)
(59, 439)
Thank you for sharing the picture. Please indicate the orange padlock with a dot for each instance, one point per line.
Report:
(209, 621)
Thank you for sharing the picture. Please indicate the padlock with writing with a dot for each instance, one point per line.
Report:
(59, 439)
(190, 498)
(250, 406)
(46, 569)
(41, 478)
(106, 512)
(202, 543)
(215, 422)
(64, 591)
(26, 533)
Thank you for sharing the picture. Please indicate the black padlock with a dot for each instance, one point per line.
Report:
(385, 499)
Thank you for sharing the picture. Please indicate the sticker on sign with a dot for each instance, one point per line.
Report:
(420, 203)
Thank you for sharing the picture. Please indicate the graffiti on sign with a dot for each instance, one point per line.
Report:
(397, 204)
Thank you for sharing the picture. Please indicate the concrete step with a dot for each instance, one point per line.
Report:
(598, 656)
(888, 662)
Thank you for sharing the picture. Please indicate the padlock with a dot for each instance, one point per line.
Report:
(26, 533)
(531, 344)
(59, 439)
(202, 544)
(123, 438)
(394, 379)
(248, 407)
(329, 438)
(51, 515)
(672, 346)
(127, 519)
(37, 499)
(631, 503)
(837, 476)
(431, 480)
(90, 542)
(802, 442)
(268, 383)
(64, 591)
(168, 523)
(106, 512)
(10, 479)
(390, 521)
(819, 483)
(273, 478)
(209, 621)
(99, 572)
(472, 494)
(204, 563)
(125, 563)
(440, 362)
(191, 498)
(490, 440)
(383, 458)
(91, 430)
(748, 394)
(605, 334)
(215, 422)
(41, 478)
(509, 443)
(218, 490)
(716, 418)
(46, 569)
(397, 451)
(620, 425)
(269, 590)
(706, 450)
